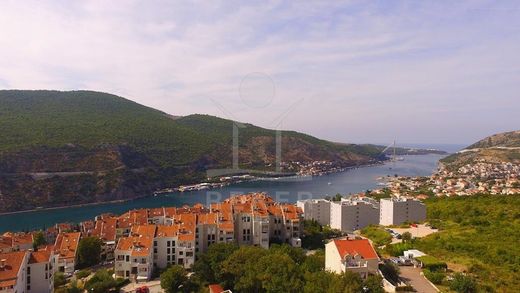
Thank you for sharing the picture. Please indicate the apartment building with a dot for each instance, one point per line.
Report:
(134, 258)
(178, 234)
(355, 255)
(316, 209)
(27, 271)
(353, 213)
(40, 271)
(397, 210)
(65, 251)
(13, 266)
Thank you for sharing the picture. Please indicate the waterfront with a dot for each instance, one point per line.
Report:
(351, 181)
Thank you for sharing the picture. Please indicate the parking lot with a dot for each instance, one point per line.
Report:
(417, 232)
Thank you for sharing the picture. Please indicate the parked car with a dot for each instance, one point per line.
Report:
(143, 289)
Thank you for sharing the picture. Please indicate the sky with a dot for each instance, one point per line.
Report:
(429, 72)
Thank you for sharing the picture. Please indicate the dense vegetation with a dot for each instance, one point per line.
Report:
(60, 148)
(253, 269)
(479, 236)
(315, 235)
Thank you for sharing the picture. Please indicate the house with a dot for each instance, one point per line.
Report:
(355, 255)
(13, 266)
(216, 288)
(65, 250)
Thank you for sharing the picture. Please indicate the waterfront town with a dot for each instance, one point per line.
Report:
(139, 242)
(481, 177)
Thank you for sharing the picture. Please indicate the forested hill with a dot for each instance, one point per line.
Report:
(502, 147)
(58, 148)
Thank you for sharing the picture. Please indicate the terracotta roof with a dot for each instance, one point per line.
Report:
(353, 247)
(67, 244)
(41, 256)
(215, 288)
(137, 245)
(167, 231)
(13, 263)
(143, 230)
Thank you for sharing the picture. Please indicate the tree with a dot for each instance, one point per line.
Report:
(406, 236)
(209, 264)
(279, 273)
(101, 282)
(315, 262)
(38, 240)
(175, 279)
(463, 283)
(59, 280)
(372, 284)
(89, 251)
(390, 271)
(240, 268)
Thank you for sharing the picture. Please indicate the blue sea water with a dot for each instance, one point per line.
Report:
(351, 181)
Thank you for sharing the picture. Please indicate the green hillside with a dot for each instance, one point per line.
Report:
(59, 147)
(502, 147)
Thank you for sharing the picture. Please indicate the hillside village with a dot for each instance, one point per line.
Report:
(481, 177)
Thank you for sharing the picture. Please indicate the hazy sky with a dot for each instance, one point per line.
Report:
(354, 71)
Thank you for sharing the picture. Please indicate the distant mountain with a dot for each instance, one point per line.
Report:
(503, 147)
(59, 148)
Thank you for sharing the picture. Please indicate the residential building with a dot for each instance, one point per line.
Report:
(13, 266)
(65, 250)
(355, 255)
(40, 271)
(353, 213)
(134, 258)
(397, 210)
(316, 209)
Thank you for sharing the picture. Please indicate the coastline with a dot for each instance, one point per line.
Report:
(372, 164)
(70, 206)
(157, 192)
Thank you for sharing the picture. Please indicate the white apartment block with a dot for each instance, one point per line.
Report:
(40, 271)
(353, 214)
(397, 210)
(133, 258)
(316, 209)
(27, 271)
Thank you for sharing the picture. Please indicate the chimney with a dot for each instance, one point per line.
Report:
(3, 263)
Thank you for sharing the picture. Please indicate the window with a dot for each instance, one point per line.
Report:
(155, 243)
(168, 251)
(168, 243)
(29, 270)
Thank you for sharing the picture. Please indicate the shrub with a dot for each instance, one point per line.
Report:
(434, 277)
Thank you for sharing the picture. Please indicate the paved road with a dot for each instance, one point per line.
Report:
(413, 277)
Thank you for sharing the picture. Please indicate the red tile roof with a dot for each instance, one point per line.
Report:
(353, 247)
(215, 288)
(13, 263)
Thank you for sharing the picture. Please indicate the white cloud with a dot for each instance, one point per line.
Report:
(366, 71)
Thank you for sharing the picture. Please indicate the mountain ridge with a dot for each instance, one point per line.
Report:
(500, 147)
(64, 147)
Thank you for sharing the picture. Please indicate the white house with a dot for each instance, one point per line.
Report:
(397, 210)
(355, 255)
